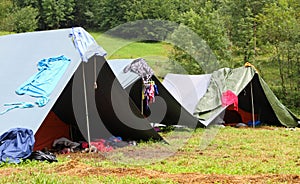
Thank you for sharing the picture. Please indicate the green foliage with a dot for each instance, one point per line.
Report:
(25, 19)
(56, 14)
(212, 46)
(111, 13)
(16, 19)
(280, 28)
(155, 9)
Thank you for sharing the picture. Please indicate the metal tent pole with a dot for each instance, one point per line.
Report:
(86, 107)
(95, 74)
(252, 104)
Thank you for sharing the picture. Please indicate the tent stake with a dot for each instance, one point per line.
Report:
(86, 108)
(252, 104)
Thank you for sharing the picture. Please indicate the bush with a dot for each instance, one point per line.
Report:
(20, 20)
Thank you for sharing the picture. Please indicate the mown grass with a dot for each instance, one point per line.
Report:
(5, 33)
(156, 53)
(229, 151)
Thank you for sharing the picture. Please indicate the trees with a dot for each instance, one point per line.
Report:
(207, 22)
(56, 13)
(280, 28)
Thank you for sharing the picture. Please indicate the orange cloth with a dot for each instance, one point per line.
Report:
(52, 128)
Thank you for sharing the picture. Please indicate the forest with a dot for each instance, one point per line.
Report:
(265, 33)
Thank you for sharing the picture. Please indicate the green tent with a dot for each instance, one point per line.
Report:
(255, 98)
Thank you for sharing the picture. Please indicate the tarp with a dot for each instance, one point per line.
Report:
(241, 81)
(20, 54)
(165, 110)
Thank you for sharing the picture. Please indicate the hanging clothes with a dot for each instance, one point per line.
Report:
(85, 44)
(140, 67)
(150, 91)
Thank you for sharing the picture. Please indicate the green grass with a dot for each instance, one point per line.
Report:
(118, 48)
(229, 151)
(5, 33)
(155, 53)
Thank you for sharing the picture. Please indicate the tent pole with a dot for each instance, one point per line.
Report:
(252, 104)
(142, 100)
(95, 73)
(86, 107)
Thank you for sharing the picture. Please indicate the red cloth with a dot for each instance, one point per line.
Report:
(228, 98)
(51, 129)
(101, 145)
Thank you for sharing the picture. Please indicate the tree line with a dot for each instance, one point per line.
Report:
(258, 31)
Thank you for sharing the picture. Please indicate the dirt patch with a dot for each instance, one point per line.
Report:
(77, 168)
(9, 171)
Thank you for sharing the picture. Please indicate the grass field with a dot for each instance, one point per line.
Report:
(226, 155)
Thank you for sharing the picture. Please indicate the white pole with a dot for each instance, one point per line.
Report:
(86, 107)
(252, 104)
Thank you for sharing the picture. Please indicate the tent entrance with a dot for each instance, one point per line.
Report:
(52, 128)
(233, 117)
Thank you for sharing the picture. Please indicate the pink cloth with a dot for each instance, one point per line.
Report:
(228, 98)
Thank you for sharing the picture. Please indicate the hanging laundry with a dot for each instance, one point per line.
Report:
(150, 91)
(140, 67)
(86, 44)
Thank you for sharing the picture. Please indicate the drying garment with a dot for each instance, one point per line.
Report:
(140, 67)
(21, 105)
(42, 84)
(228, 98)
(150, 91)
(85, 44)
(16, 144)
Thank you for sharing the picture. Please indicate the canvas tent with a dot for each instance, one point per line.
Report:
(256, 101)
(74, 99)
(165, 110)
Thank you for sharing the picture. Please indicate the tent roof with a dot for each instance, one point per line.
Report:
(185, 88)
(20, 54)
(240, 81)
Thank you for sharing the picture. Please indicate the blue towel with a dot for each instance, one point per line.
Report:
(42, 84)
